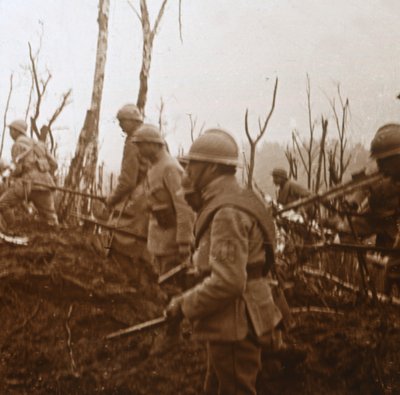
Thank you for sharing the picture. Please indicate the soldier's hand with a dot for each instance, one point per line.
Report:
(174, 312)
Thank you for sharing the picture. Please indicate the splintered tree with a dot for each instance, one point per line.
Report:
(82, 171)
(262, 127)
(148, 39)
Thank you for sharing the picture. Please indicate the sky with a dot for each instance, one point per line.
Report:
(231, 53)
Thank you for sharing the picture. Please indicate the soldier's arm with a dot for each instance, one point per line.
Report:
(128, 177)
(229, 251)
(299, 191)
(16, 151)
(51, 160)
(184, 214)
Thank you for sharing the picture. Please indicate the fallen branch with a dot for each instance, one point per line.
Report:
(319, 273)
(314, 309)
(71, 356)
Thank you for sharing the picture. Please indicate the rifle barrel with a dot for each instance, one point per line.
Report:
(69, 190)
(336, 191)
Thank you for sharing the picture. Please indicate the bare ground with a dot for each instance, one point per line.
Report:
(59, 299)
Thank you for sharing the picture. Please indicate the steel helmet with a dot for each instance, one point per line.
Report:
(214, 146)
(148, 134)
(20, 125)
(386, 141)
(280, 172)
(130, 111)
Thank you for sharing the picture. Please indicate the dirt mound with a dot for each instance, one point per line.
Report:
(59, 300)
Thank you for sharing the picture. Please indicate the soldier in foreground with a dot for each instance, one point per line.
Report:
(232, 308)
(32, 163)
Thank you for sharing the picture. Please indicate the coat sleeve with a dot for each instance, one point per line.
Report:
(128, 177)
(228, 257)
(184, 214)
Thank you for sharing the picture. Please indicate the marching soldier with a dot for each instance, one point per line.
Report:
(170, 234)
(128, 202)
(171, 219)
(132, 169)
(232, 308)
(33, 165)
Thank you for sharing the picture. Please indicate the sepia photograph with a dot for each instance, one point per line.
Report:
(199, 197)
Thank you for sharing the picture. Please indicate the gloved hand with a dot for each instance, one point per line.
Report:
(174, 312)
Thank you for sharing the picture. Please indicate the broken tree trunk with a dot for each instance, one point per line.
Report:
(82, 171)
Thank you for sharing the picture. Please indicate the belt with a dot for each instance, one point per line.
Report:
(255, 270)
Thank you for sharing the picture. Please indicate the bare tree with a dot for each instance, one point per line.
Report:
(83, 164)
(324, 123)
(5, 114)
(291, 157)
(341, 122)
(148, 39)
(193, 126)
(261, 131)
(40, 87)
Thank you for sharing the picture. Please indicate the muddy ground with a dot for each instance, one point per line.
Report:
(59, 299)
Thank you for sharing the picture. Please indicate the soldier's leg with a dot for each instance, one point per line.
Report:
(44, 202)
(8, 200)
(236, 366)
(211, 380)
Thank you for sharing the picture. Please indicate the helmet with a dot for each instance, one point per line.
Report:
(386, 141)
(130, 111)
(279, 172)
(214, 146)
(148, 134)
(19, 125)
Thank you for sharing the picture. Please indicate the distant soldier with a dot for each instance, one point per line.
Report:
(33, 168)
(128, 202)
(289, 190)
(170, 233)
(232, 309)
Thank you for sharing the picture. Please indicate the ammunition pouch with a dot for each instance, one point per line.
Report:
(164, 215)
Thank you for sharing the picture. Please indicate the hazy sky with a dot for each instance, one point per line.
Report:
(231, 52)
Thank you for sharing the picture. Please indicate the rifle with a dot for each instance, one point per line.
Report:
(173, 272)
(352, 247)
(139, 327)
(105, 225)
(69, 190)
(334, 192)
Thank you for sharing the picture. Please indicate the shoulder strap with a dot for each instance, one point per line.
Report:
(245, 200)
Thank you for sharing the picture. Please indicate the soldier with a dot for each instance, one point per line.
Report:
(128, 202)
(170, 234)
(171, 219)
(33, 165)
(289, 190)
(385, 149)
(132, 170)
(232, 308)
